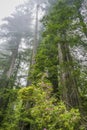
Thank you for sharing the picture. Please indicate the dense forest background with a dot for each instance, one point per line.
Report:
(43, 66)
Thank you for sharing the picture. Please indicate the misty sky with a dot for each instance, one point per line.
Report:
(7, 7)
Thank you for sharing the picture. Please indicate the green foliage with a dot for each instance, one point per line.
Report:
(45, 111)
(9, 113)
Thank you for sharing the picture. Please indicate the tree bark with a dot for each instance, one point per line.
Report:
(13, 59)
(35, 45)
(68, 82)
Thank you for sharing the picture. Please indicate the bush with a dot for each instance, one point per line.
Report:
(46, 112)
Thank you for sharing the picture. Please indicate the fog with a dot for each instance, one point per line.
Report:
(7, 7)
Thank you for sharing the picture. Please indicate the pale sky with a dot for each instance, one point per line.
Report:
(7, 7)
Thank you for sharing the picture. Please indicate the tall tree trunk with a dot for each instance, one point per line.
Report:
(35, 45)
(13, 59)
(9, 70)
(68, 82)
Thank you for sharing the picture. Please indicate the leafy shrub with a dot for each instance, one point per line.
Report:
(46, 112)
